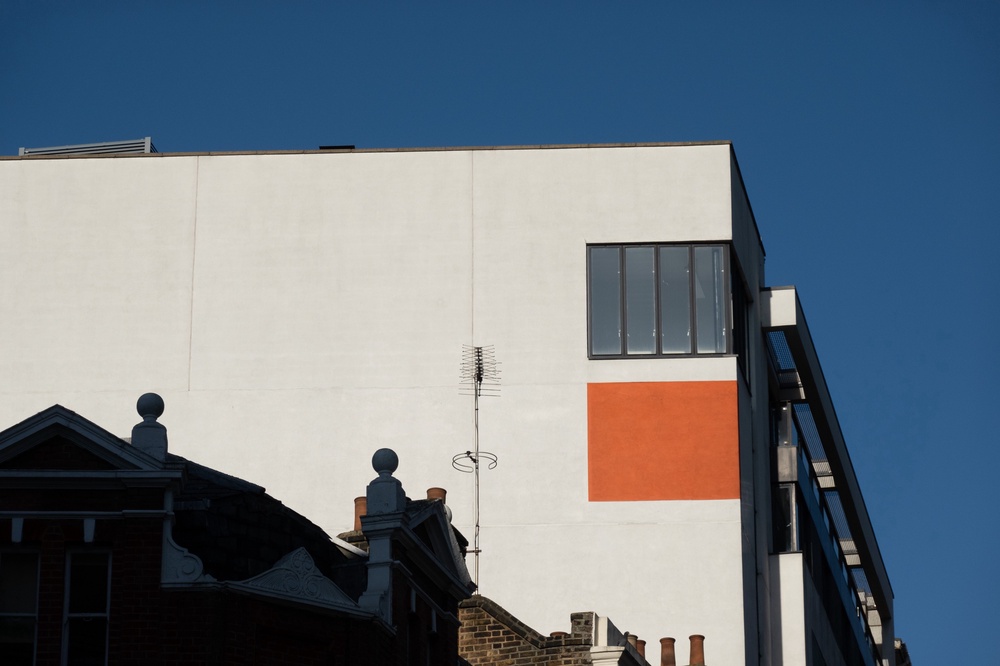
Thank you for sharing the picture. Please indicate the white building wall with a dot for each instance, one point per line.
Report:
(787, 586)
(299, 311)
(96, 261)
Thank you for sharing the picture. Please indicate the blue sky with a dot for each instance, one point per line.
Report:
(867, 134)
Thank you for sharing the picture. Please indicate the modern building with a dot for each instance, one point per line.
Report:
(119, 552)
(667, 448)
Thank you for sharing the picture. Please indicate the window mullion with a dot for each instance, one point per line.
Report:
(730, 306)
(657, 317)
(623, 298)
(727, 296)
(692, 302)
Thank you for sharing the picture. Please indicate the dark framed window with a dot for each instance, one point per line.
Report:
(18, 607)
(658, 300)
(88, 589)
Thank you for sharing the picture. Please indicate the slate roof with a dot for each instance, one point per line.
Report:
(239, 531)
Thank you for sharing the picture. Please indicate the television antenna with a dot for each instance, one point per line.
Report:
(480, 377)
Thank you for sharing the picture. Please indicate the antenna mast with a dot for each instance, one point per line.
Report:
(480, 377)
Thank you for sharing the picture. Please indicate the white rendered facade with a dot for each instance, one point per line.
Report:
(297, 307)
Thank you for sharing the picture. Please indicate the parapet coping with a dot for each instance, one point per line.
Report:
(415, 149)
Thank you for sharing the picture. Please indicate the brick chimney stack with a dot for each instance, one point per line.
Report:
(697, 650)
(360, 509)
(667, 657)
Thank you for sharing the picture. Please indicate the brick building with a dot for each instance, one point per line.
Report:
(492, 636)
(120, 552)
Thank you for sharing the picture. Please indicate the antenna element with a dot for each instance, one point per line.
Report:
(480, 377)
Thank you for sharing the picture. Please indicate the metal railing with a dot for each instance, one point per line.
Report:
(832, 539)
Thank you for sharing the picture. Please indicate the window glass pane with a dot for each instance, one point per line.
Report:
(18, 601)
(675, 300)
(87, 641)
(710, 305)
(783, 523)
(18, 582)
(88, 583)
(640, 300)
(605, 301)
(17, 641)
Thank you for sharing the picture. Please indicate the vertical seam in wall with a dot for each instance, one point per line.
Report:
(194, 253)
(472, 243)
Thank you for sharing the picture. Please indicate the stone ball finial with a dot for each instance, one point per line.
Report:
(149, 405)
(385, 461)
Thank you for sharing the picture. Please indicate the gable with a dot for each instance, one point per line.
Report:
(58, 452)
(59, 440)
(296, 578)
(429, 527)
(424, 535)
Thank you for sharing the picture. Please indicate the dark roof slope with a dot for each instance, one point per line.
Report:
(239, 531)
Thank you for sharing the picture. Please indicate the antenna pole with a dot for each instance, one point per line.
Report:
(479, 369)
(475, 457)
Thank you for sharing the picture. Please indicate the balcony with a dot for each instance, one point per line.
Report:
(818, 490)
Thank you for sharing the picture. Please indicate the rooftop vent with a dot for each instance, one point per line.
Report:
(144, 145)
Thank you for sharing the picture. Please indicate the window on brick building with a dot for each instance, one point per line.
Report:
(88, 579)
(18, 607)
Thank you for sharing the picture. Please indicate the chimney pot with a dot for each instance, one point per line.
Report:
(667, 657)
(632, 638)
(360, 509)
(436, 494)
(640, 645)
(559, 634)
(697, 650)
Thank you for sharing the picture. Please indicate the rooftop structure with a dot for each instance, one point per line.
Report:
(144, 145)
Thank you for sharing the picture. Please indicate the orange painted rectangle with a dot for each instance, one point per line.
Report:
(663, 441)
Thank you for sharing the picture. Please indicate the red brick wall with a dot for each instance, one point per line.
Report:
(133, 631)
(153, 626)
(135, 547)
(490, 636)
